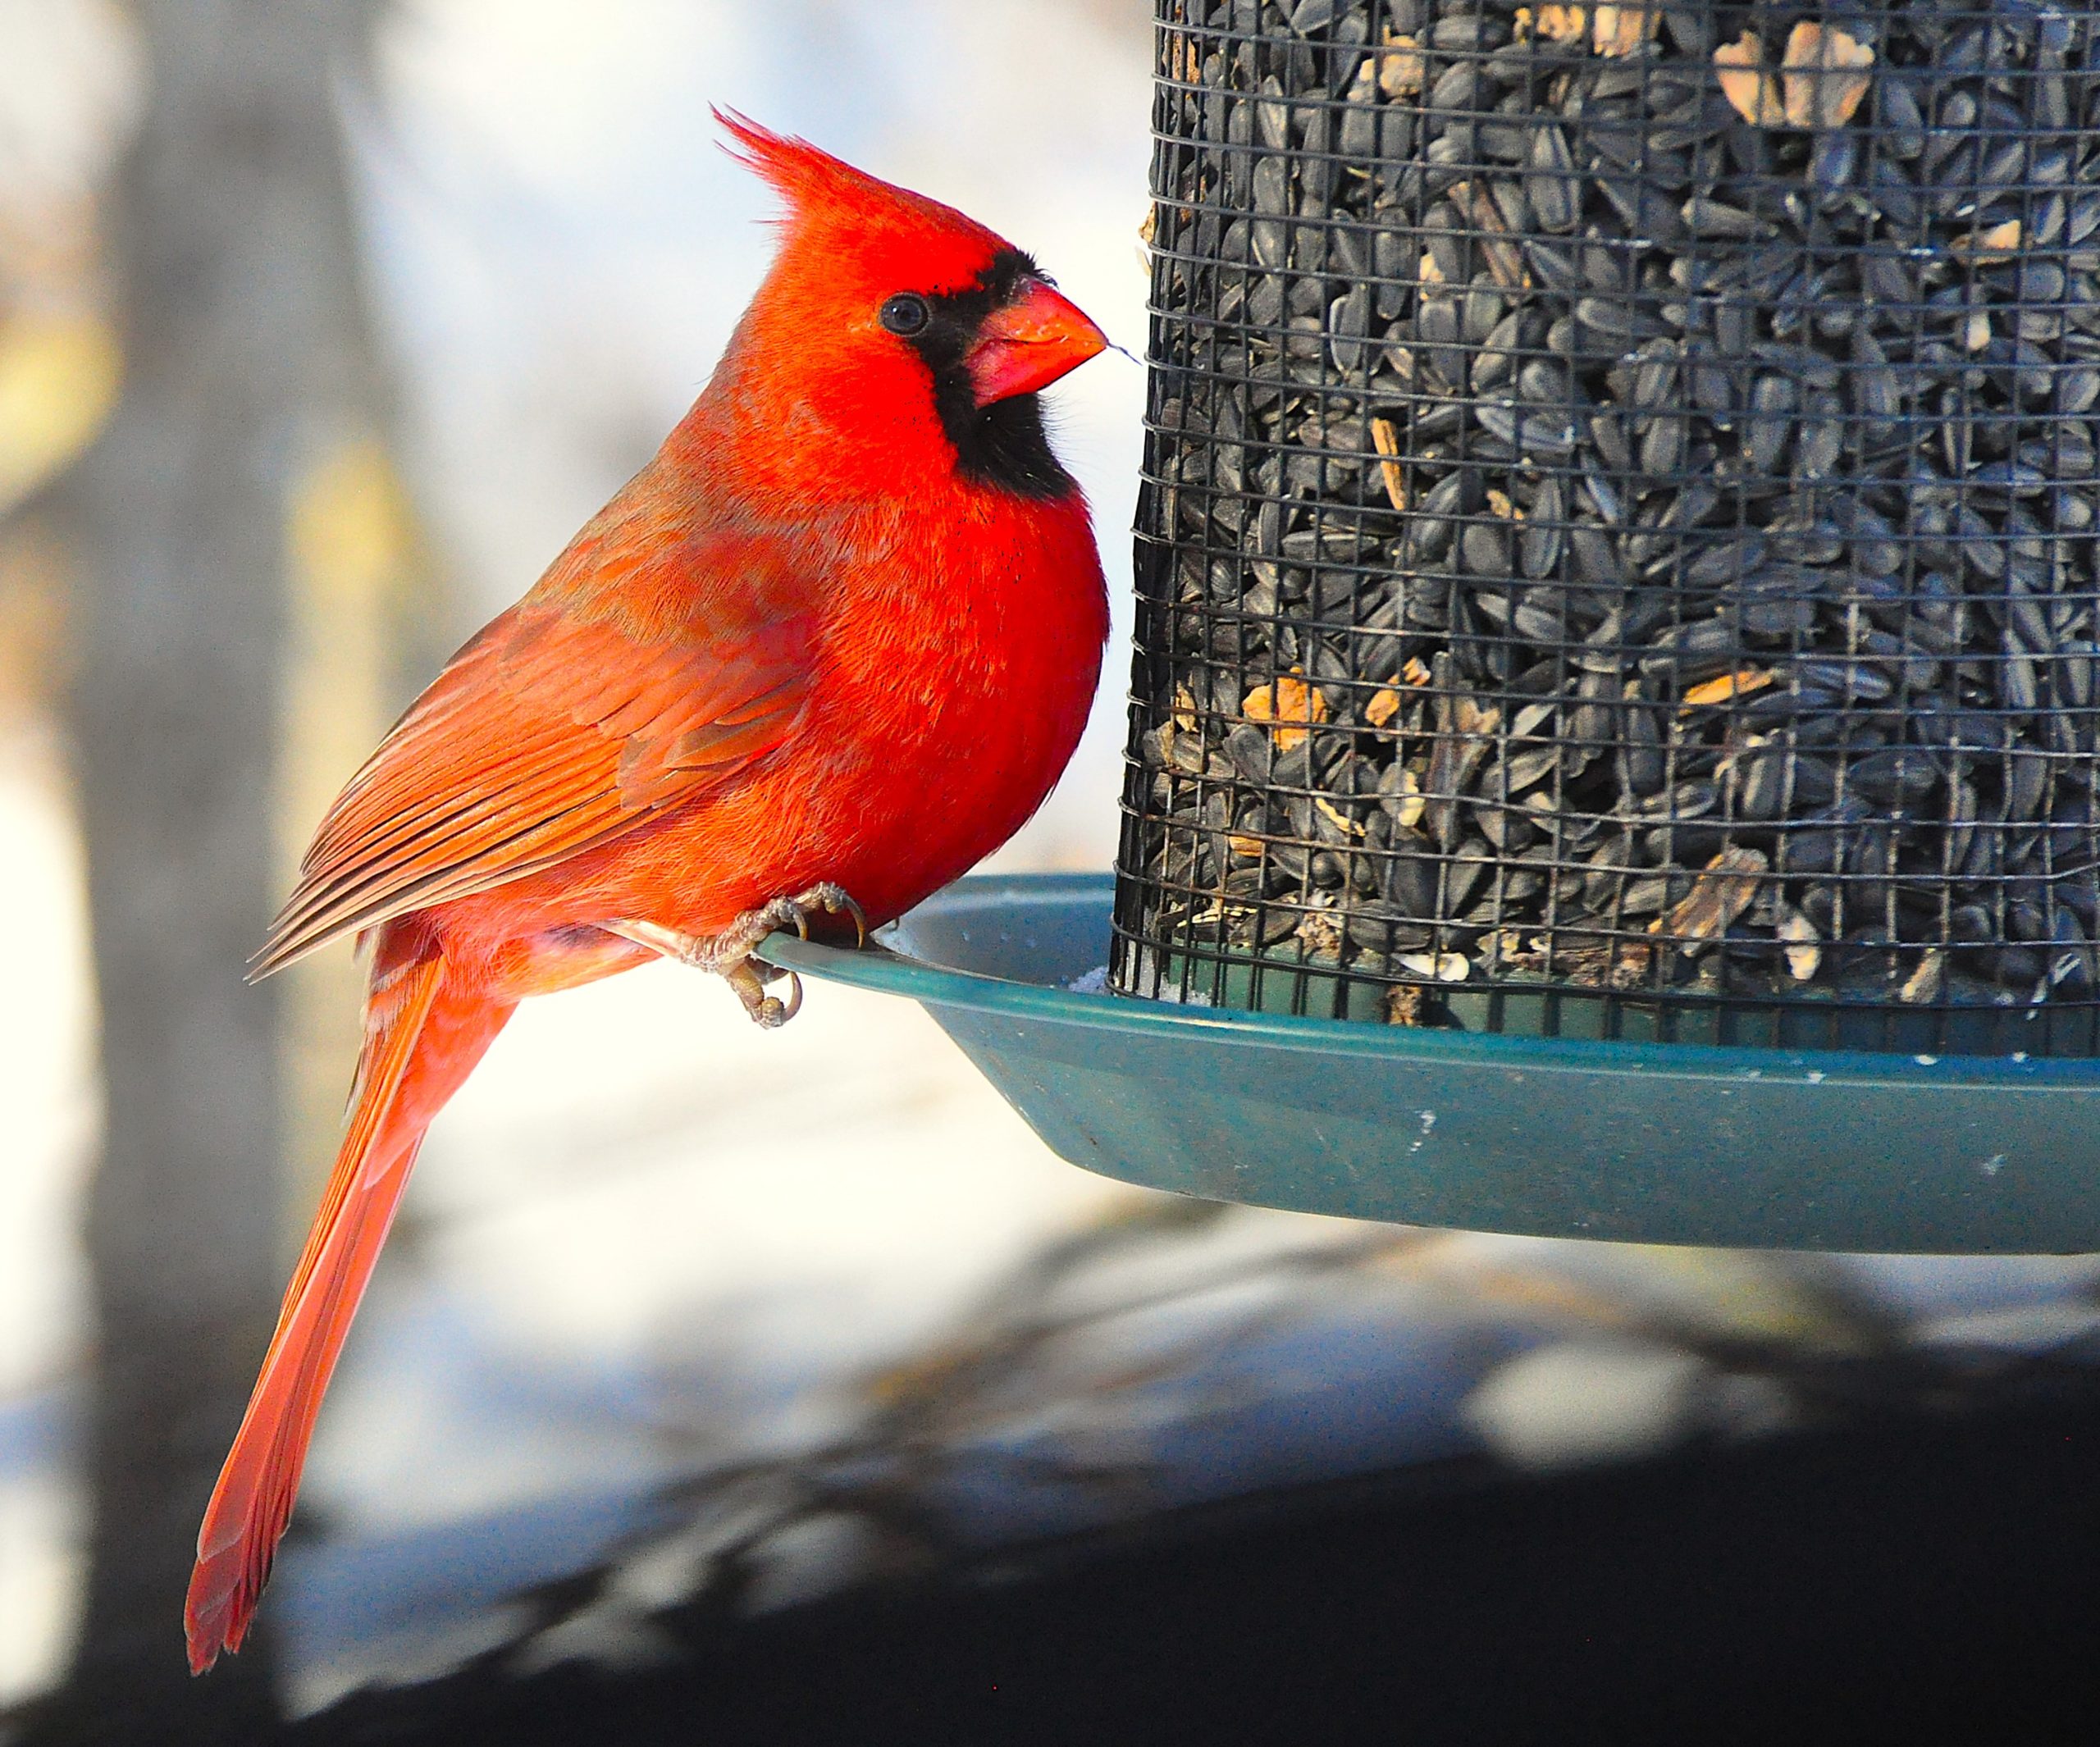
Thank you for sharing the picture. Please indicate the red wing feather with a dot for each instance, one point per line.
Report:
(547, 735)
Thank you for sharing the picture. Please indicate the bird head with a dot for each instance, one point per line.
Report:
(911, 329)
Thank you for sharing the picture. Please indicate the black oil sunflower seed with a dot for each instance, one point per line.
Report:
(1621, 510)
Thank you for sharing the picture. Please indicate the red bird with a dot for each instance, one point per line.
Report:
(828, 649)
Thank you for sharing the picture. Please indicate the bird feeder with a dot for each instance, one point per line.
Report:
(1613, 742)
(1616, 551)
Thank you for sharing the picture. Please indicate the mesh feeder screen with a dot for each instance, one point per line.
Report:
(1616, 555)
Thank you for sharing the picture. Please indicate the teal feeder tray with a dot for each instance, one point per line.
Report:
(1648, 1144)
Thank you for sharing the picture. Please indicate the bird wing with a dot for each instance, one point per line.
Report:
(550, 733)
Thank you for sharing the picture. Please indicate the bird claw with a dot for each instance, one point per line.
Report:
(731, 951)
(794, 912)
(738, 940)
(729, 954)
(769, 1012)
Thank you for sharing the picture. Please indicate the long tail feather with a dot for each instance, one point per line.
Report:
(421, 1038)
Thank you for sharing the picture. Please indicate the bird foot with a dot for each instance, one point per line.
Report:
(754, 925)
(729, 954)
(748, 979)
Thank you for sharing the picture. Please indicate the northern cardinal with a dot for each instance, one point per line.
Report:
(830, 647)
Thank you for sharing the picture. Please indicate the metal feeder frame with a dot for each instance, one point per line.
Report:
(1616, 556)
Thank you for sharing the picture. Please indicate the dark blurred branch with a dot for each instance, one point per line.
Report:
(245, 351)
(1032, 1391)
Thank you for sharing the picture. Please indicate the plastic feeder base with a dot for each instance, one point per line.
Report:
(1660, 1143)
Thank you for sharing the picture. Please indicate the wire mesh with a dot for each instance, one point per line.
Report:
(1616, 550)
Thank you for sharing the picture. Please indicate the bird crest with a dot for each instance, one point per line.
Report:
(888, 230)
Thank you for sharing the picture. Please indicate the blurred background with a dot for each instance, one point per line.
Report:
(322, 325)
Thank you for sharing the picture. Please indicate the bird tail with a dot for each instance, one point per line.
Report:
(422, 1037)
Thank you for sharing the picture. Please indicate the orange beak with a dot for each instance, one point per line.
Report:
(1029, 344)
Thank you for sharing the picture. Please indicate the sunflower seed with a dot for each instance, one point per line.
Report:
(1650, 473)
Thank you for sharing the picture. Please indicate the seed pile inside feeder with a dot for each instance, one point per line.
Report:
(1620, 507)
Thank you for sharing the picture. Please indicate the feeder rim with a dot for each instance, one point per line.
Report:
(883, 968)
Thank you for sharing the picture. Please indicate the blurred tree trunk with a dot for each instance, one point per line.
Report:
(246, 356)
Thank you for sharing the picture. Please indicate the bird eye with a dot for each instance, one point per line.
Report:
(906, 313)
